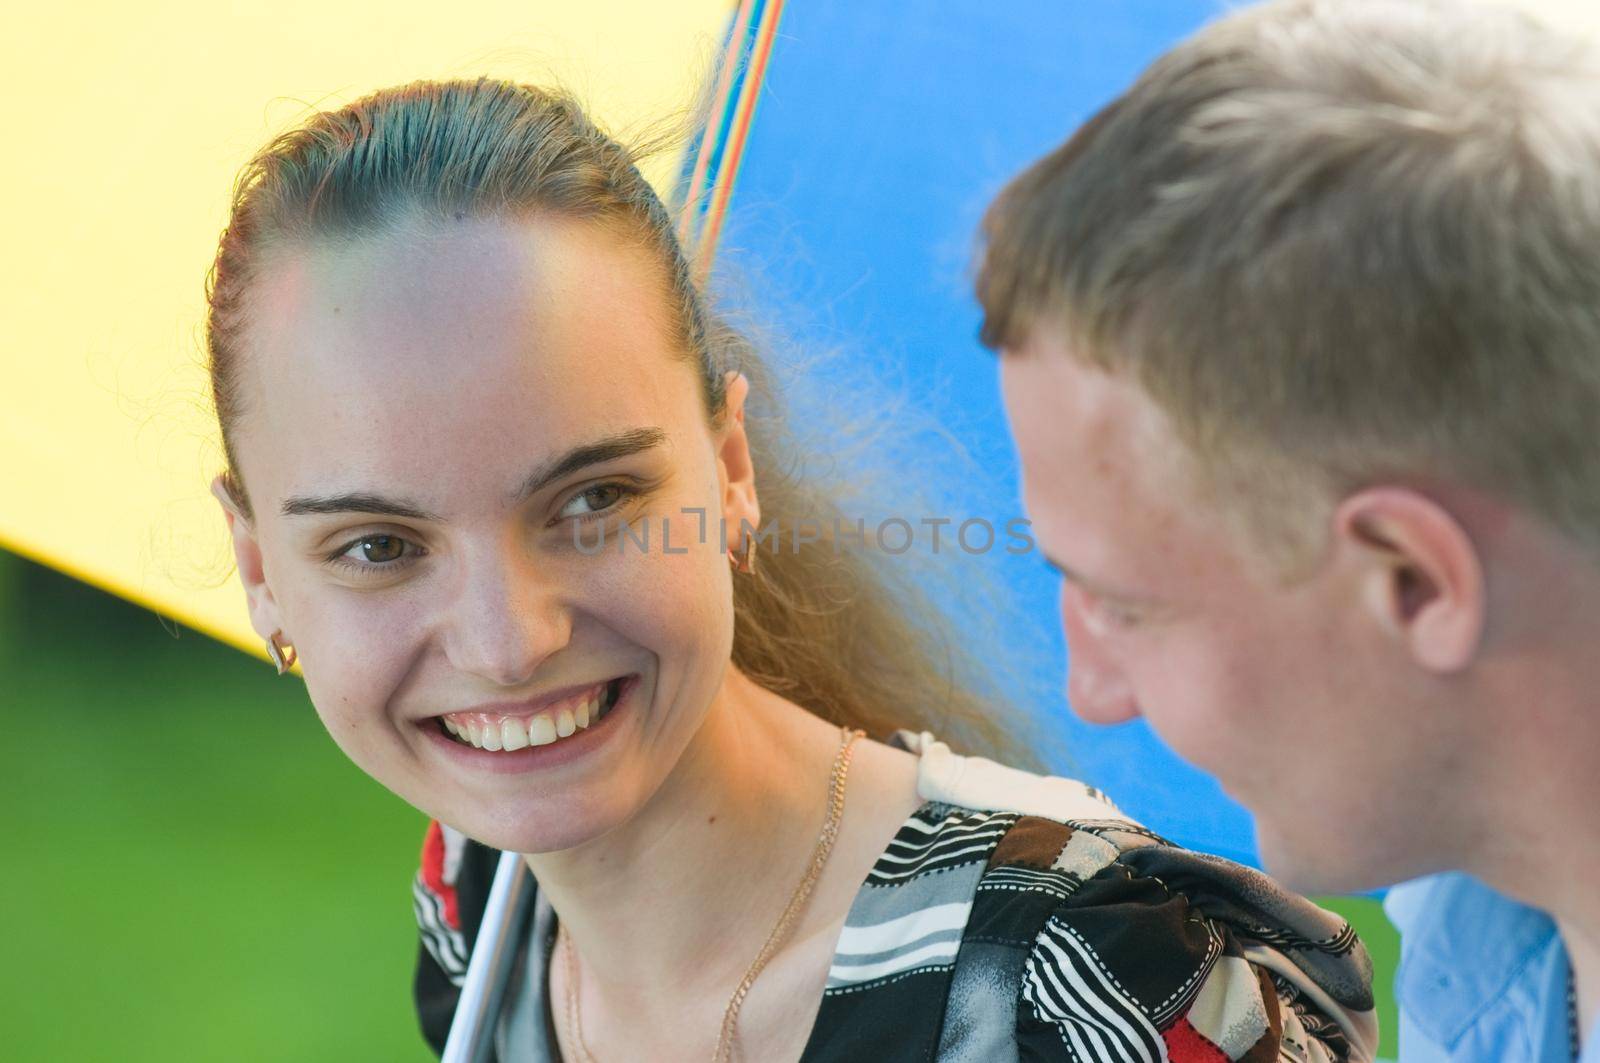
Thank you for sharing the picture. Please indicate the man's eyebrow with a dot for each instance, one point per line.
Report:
(1062, 570)
(607, 449)
(1080, 579)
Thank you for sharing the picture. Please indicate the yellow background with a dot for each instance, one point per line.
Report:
(125, 127)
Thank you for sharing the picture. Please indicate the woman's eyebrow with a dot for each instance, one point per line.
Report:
(609, 448)
(354, 502)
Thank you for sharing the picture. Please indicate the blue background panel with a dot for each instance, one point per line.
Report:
(883, 131)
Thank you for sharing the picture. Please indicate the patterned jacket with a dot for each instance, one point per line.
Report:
(1013, 917)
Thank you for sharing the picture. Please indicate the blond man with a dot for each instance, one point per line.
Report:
(1300, 342)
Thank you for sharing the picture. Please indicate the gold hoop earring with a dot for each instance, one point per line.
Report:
(283, 660)
(747, 563)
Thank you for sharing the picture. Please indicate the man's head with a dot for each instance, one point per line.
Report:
(1301, 346)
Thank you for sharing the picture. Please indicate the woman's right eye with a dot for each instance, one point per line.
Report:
(374, 552)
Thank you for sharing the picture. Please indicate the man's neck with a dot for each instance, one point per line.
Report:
(1540, 837)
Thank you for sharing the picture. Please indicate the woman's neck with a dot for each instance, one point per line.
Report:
(674, 905)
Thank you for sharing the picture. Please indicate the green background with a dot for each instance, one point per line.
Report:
(193, 871)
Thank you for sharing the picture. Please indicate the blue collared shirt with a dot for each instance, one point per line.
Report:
(1482, 979)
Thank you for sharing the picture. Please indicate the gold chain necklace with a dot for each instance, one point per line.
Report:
(830, 830)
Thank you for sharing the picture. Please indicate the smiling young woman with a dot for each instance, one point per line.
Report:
(453, 340)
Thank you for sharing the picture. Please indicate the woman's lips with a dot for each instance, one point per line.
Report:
(511, 731)
(529, 755)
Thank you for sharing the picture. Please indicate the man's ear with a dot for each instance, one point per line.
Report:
(734, 466)
(264, 615)
(1422, 576)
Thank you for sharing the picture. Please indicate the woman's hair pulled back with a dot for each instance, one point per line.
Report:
(831, 629)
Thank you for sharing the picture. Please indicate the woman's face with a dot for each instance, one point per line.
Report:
(437, 427)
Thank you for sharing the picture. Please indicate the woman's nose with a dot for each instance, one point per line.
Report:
(507, 619)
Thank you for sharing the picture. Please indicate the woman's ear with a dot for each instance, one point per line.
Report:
(1421, 577)
(734, 466)
(264, 615)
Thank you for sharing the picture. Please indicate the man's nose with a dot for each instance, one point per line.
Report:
(1097, 688)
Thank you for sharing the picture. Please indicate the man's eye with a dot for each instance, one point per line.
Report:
(592, 501)
(1119, 616)
(1103, 615)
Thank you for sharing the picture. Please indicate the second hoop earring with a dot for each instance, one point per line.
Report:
(282, 659)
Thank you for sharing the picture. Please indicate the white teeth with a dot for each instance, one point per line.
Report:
(512, 734)
(541, 730)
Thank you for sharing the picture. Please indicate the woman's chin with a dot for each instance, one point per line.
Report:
(546, 826)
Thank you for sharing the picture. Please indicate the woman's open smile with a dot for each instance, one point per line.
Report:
(513, 737)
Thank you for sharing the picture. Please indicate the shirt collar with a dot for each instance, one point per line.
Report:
(1463, 946)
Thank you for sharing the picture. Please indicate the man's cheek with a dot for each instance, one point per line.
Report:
(1192, 710)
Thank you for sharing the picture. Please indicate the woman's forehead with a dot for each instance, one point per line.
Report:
(460, 344)
(421, 289)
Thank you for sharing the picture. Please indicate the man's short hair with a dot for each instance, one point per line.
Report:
(1338, 242)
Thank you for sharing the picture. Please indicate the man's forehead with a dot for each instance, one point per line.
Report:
(1098, 455)
(1080, 407)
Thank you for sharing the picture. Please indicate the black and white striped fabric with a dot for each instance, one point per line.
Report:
(990, 933)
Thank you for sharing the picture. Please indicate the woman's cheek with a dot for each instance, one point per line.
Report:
(357, 648)
(659, 600)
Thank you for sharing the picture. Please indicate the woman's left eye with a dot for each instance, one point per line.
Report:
(593, 501)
